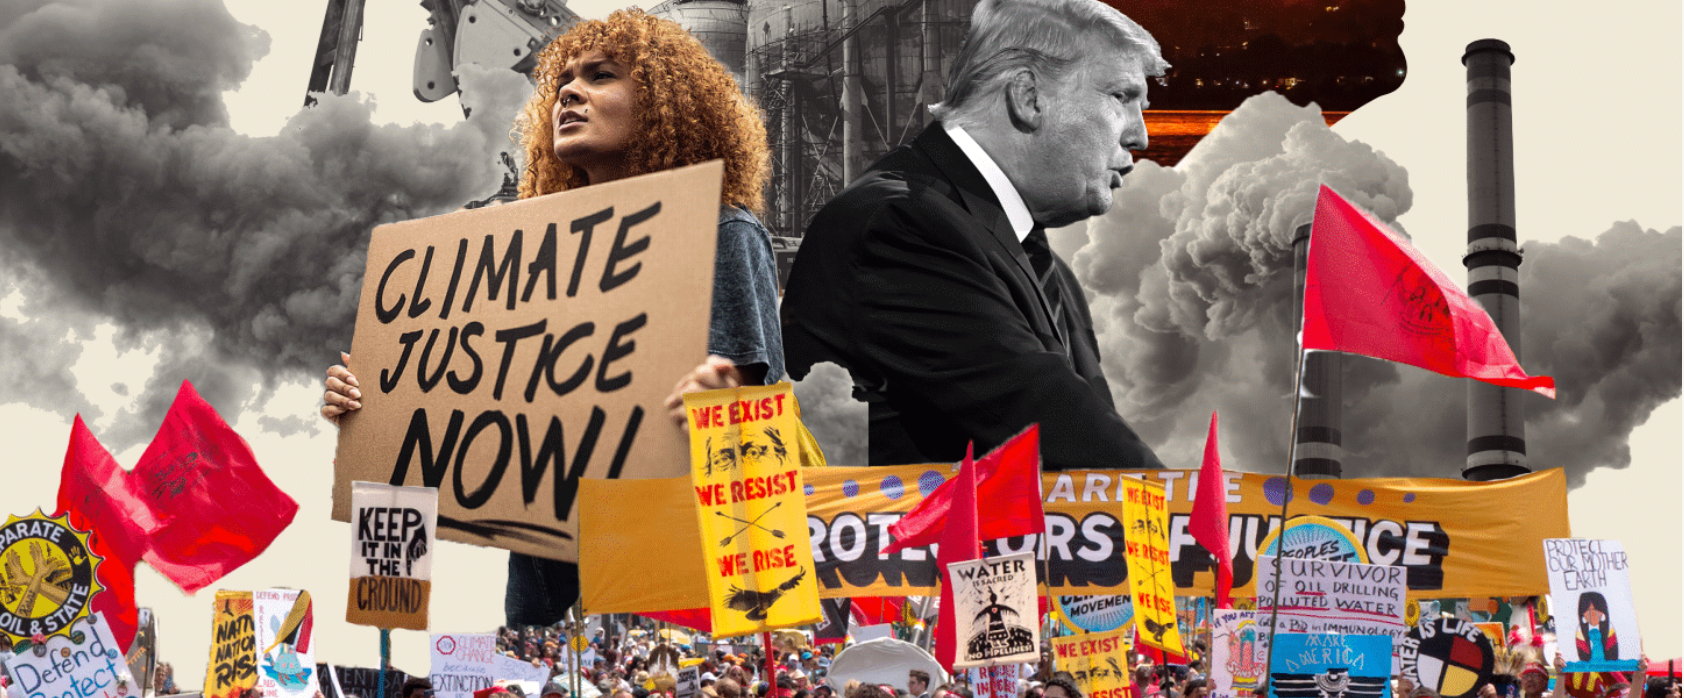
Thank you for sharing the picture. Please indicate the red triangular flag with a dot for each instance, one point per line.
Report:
(212, 508)
(1209, 520)
(1367, 291)
(876, 610)
(960, 540)
(93, 491)
(693, 618)
(1008, 478)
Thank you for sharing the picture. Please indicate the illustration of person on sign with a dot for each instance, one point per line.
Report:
(1595, 640)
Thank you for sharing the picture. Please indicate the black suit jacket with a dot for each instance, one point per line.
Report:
(913, 280)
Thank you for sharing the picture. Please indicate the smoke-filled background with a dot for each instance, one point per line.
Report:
(168, 211)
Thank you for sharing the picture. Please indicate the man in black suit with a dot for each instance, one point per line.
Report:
(930, 278)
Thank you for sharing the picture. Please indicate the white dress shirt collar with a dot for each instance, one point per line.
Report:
(1017, 213)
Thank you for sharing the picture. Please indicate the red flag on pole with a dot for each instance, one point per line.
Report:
(1209, 520)
(212, 508)
(93, 492)
(1367, 291)
(1008, 478)
(960, 540)
(196, 507)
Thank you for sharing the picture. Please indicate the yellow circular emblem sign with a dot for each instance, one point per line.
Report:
(46, 575)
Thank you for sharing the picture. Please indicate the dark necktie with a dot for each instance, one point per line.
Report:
(1041, 258)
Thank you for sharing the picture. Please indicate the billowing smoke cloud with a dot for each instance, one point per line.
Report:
(122, 185)
(829, 410)
(1190, 280)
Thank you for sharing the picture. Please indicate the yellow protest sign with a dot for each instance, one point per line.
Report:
(750, 499)
(1146, 550)
(1099, 661)
(233, 654)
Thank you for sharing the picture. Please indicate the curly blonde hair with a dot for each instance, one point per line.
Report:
(689, 109)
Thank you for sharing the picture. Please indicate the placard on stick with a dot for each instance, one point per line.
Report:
(84, 663)
(392, 542)
(504, 353)
(1590, 590)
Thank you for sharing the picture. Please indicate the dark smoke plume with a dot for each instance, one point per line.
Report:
(124, 189)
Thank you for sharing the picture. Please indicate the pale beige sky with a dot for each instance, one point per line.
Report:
(1598, 141)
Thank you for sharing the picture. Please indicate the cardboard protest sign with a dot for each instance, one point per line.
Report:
(506, 352)
(285, 659)
(1331, 665)
(689, 683)
(1448, 655)
(1590, 591)
(48, 572)
(84, 662)
(995, 607)
(393, 533)
(461, 664)
(746, 470)
(1145, 519)
(1099, 661)
(1239, 653)
(1337, 592)
(233, 654)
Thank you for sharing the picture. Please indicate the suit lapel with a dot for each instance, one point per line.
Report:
(979, 199)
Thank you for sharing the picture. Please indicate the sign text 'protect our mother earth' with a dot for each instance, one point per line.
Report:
(507, 352)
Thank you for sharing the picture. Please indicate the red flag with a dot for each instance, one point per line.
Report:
(93, 492)
(960, 540)
(693, 618)
(1369, 292)
(212, 508)
(876, 610)
(1209, 521)
(1008, 478)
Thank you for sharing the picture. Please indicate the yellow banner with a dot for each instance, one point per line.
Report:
(1446, 533)
(1146, 522)
(1449, 534)
(1099, 661)
(233, 653)
(746, 470)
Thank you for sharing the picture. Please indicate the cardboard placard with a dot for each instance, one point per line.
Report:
(752, 509)
(1590, 592)
(285, 659)
(1145, 518)
(1331, 665)
(689, 683)
(1333, 591)
(85, 662)
(1099, 661)
(461, 664)
(233, 654)
(997, 620)
(998, 681)
(506, 352)
(393, 535)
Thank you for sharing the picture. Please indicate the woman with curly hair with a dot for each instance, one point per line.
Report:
(627, 96)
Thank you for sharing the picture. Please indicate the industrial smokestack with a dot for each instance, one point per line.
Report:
(1319, 446)
(1496, 430)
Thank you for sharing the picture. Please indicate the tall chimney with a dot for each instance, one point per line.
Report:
(1318, 442)
(1496, 430)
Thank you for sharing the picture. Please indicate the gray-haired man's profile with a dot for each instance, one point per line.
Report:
(930, 278)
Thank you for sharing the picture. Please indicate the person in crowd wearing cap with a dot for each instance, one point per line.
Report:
(553, 689)
(918, 683)
(1060, 687)
(417, 687)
